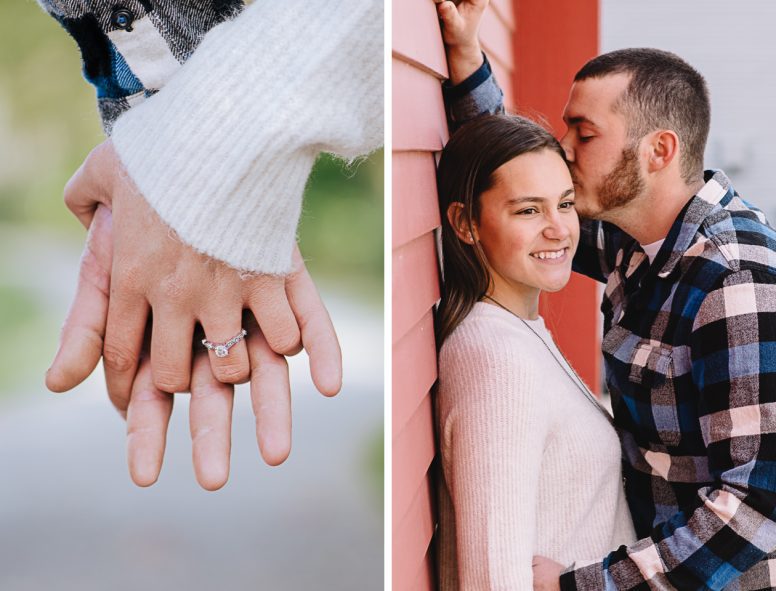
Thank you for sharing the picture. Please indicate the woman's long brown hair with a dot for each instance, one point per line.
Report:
(466, 171)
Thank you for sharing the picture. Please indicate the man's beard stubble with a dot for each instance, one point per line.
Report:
(618, 188)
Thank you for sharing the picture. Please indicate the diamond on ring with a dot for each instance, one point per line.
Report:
(222, 349)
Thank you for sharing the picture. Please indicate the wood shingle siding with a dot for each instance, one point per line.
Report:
(554, 36)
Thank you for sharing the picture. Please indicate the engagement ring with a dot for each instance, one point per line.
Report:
(222, 349)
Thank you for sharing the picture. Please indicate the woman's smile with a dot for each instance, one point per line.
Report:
(552, 257)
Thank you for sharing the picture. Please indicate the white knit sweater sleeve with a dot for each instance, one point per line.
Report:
(224, 151)
(492, 450)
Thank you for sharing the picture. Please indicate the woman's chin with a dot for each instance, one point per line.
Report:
(556, 283)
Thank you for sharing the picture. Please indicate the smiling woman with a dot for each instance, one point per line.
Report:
(511, 455)
(503, 192)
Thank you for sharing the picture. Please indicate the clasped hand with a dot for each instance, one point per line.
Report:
(141, 296)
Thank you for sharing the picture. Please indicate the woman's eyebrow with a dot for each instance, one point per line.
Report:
(534, 199)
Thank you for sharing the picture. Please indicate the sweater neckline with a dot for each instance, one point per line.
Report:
(536, 324)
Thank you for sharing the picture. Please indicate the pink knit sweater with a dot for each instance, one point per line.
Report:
(530, 465)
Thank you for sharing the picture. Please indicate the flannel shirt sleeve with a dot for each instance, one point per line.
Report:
(731, 526)
(476, 96)
(599, 243)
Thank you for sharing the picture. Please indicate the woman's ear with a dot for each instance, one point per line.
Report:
(457, 218)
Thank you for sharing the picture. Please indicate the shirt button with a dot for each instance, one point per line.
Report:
(122, 18)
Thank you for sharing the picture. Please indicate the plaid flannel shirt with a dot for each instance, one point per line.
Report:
(690, 354)
(130, 49)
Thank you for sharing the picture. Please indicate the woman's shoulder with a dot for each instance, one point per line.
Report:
(487, 327)
(486, 338)
(489, 369)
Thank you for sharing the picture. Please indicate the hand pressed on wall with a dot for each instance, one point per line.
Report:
(460, 28)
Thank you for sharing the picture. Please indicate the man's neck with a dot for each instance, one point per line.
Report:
(650, 217)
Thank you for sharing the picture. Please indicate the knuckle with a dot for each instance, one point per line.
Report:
(170, 380)
(232, 372)
(70, 194)
(118, 358)
(261, 287)
(172, 287)
(128, 276)
(284, 341)
(135, 430)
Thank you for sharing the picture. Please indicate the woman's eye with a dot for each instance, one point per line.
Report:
(567, 205)
(585, 138)
(527, 211)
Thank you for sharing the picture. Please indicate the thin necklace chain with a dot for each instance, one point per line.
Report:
(573, 375)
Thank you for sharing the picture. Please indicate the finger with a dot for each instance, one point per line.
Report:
(171, 339)
(210, 421)
(318, 335)
(472, 10)
(271, 399)
(82, 336)
(448, 14)
(88, 186)
(148, 416)
(127, 315)
(267, 299)
(223, 325)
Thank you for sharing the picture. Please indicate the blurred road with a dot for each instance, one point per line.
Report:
(70, 518)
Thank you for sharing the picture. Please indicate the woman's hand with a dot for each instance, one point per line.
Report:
(460, 27)
(153, 274)
(546, 574)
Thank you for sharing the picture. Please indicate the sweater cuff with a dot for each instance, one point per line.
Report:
(480, 75)
(224, 151)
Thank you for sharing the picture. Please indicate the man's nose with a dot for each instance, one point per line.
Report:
(566, 144)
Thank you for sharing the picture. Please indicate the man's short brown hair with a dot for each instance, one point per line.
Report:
(664, 92)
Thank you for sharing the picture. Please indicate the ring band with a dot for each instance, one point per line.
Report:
(222, 349)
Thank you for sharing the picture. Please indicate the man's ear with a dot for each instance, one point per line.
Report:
(457, 219)
(663, 148)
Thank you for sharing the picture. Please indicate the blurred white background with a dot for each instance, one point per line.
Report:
(734, 46)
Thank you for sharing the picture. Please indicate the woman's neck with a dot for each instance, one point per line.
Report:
(521, 302)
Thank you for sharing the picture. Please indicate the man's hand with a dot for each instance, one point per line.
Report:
(460, 27)
(210, 416)
(546, 574)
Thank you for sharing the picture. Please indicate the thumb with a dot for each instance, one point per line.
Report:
(80, 346)
(88, 187)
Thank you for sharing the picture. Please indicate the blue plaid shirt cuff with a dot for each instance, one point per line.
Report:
(476, 96)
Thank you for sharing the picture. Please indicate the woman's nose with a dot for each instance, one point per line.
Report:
(557, 227)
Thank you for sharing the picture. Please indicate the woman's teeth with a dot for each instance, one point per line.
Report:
(549, 254)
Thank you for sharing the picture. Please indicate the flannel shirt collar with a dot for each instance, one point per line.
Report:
(716, 192)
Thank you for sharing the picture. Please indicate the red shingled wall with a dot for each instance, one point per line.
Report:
(534, 48)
